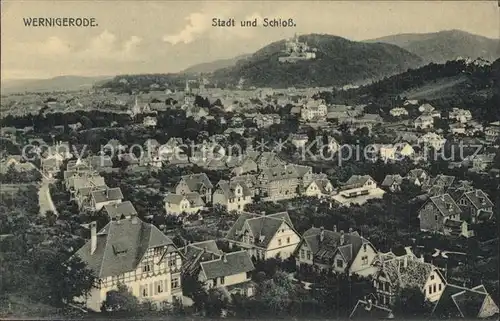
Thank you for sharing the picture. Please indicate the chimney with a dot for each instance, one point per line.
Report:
(422, 258)
(321, 234)
(405, 261)
(342, 237)
(224, 258)
(134, 219)
(93, 236)
(335, 228)
(350, 230)
(107, 193)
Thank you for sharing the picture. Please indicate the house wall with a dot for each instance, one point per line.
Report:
(434, 286)
(430, 218)
(138, 279)
(286, 249)
(336, 267)
(488, 309)
(228, 280)
(182, 207)
(357, 264)
(302, 257)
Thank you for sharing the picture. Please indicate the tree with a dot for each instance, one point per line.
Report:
(411, 302)
(70, 279)
(120, 300)
(216, 302)
(193, 288)
(277, 293)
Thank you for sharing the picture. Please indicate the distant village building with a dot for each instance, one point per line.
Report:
(335, 250)
(264, 236)
(492, 132)
(398, 112)
(460, 115)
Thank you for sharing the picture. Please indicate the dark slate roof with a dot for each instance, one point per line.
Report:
(132, 236)
(228, 264)
(457, 301)
(324, 251)
(111, 194)
(263, 227)
(228, 188)
(446, 205)
(357, 181)
(370, 311)
(392, 179)
(479, 199)
(196, 181)
(117, 210)
(443, 180)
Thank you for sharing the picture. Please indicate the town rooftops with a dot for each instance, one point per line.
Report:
(326, 243)
(389, 180)
(229, 188)
(228, 264)
(125, 209)
(356, 181)
(121, 245)
(446, 205)
(406, 270)
(262, 227)
(457, 301)
(196, 181)
(110, 194)
(194, 198)
(479, 199)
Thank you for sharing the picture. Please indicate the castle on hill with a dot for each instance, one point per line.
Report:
(297, 51)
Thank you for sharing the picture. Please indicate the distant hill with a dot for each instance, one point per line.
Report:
(338, 62)
(442, 46)
(212, 66)
(459, 83)
(61, 83)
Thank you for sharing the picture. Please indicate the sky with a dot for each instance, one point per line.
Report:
(167, 36)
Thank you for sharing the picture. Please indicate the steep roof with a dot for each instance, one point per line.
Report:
(445, 204)
(194, 198)
(324, 251)
(229, 188)
(121, 245)
(117, 210)
(457, 301)
(479, 199)
(357, 181)
(414, 274)
(263, 227)
(392, 179)
(196, 181)
(228, 264)
(110, 194)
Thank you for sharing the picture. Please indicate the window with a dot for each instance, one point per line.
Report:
(174, 284)
(439, 286)
(435, 217)
(288, 240)
(364, 247)
(159, 287)
(430, 289)
(157, 251)
(146, 268)
(340, 263)
(144, 290)
(434, 288)
(432, 277)
(302, 254)
(172, 262)
(279, 241)
(308, 255)
(365, 260)
(222, 280)
(249, 275)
